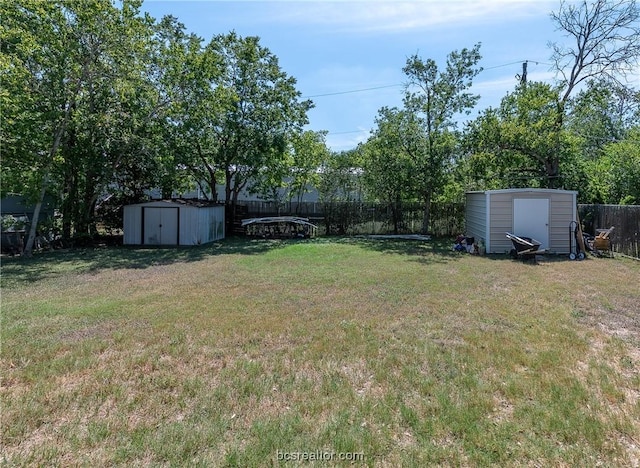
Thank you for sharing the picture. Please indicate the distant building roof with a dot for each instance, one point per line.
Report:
(182, 201)
(14, 204)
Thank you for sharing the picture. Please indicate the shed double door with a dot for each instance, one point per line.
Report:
(160, 226)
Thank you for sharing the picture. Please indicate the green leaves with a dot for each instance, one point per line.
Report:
(520, 143)
(409, 155)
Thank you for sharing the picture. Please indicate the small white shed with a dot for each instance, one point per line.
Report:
(542, 214)
(173, 222)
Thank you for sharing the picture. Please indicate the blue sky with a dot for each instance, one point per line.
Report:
(348, 46)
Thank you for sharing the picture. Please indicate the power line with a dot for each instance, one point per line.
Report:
(503, 65)
(516, 63)
(353, 91)
(403, 84)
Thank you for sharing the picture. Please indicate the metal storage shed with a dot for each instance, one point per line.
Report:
(173, 222)
(542, 214)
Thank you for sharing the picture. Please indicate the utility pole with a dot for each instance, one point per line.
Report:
(523, 79)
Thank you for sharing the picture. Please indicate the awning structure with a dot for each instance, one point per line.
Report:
(279, 226)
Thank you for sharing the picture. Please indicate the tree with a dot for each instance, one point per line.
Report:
(296, 173)
(41, 84)
(604, 45)
(606, 42)
(614, 177)
(260, 109)
(624, 174)
(309, 151)
(109, 126)
(188, 78)
(435, 97)
(73, 72)
(270, 182)
(520, 142)
(605, 39)
(339, 179)
(339, 183)
(389, 171)
(601, 118)
(602, 113)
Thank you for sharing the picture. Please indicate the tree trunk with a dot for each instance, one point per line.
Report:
(395, 215)
(213, 189)
(70, 194)
(229, 207)
(552, 164)
(552, 168)
(28, 248)
(426, 213)
(85, 221)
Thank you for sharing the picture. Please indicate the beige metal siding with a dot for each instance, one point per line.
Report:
(501, 214)
(561, 213)
(476, 215)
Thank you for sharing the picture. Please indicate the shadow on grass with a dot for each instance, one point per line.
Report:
(539, 259)
(51, 264)
(91, 260)
(436, 250)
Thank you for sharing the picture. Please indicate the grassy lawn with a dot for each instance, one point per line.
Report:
(246, 352)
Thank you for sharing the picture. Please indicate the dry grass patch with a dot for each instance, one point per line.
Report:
(413, 355)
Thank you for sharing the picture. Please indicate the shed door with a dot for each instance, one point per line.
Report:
(531, 219)
(160, 226)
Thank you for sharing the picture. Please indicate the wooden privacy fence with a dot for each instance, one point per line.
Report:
(349, 218)
(625, 219)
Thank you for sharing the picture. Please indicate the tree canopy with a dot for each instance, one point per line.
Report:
(103, 104)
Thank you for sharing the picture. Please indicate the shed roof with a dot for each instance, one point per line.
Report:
(515, 190)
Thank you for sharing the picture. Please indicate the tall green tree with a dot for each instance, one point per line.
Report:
(41, 84)
(110, 118)
(623, 174)
(388, 159)
(520, 144)
(602, 46)
(263, 111)
(602, 113)
(182, 83)
(296, 173)
(309, 151)
(436, 97)
(603, 43)
(70, 71)
(602, 118)
(340, 177)
(340, 182)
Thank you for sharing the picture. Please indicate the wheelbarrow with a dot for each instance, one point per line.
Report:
(524, 247)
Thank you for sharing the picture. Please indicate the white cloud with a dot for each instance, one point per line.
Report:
(388, 16)
(343, 142)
